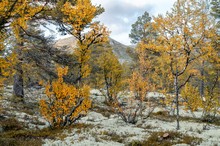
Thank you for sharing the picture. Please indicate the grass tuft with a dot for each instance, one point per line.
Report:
(158, 139)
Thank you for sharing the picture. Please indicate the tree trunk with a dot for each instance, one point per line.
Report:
(107, 85)
(177, 101)
(202, 81)
(110, 99)
(18, 86)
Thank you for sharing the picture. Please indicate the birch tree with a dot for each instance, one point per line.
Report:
(183, 36)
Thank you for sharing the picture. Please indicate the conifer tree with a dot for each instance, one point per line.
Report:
(141, 29)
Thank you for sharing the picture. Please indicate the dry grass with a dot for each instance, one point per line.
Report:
(12, 136)
(158, 139)
(15, 134)
(163, 116)
(113, 136)
(105, 111)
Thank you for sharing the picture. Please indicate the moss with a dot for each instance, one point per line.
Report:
(10, 124)
(161, 113)
(106, 112)
(145, 126)
(81, 126)
(214, 121)
(112, 136)
(135, 143)
(19, 138)
(28, 134)
(157, 139)
(20, 142)
(25, 137)
(163, 116)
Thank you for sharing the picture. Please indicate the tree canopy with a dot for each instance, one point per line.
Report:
(141, 29)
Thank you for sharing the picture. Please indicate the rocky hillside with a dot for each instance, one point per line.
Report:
(123, 52)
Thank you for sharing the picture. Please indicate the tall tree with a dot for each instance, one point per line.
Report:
(110, 75)
(215, 8)
(66, 15)
(141, 29)
(15, 15)
(76, 17)
(79, 18)
(215, 11)
(14, 18)
(18, 86)
(184, 36)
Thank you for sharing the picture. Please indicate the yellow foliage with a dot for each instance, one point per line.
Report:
(211, 103)
(62, 98)
(79, 15)
(6, 67)
(211, 99)
(17, 13)
(14, 16)
(191, 97)
(110, 77)
(138, 85)
(184, 36)
(178, 42)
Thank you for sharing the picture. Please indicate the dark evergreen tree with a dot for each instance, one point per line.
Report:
(141, 29)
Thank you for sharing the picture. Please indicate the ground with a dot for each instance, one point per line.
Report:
(101, 127)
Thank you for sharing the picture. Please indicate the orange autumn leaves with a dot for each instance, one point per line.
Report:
(79, 15)
(61, 98)
(68, 102)
(17, 13)
(14, 16)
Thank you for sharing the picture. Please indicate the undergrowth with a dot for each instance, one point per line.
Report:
(171, 138)
(14, 133)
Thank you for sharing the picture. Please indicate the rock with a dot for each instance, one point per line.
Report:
(9, 87)
(94, 117)
(113, 116)
(166, 135)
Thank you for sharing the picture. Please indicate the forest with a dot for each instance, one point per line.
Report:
(90, 89)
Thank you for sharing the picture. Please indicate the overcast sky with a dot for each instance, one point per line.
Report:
(119, 15)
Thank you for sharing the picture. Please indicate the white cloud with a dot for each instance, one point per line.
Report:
(126, 20)
(119, 15)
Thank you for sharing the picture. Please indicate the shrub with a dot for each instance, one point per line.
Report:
(132, 108)
(65, 103)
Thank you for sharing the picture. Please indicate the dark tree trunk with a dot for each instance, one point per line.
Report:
(18, 86)
(202, 81)
(177, 101)
(108, 85)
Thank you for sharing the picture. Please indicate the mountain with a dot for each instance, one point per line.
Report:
(66, 43)
(123, 52)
